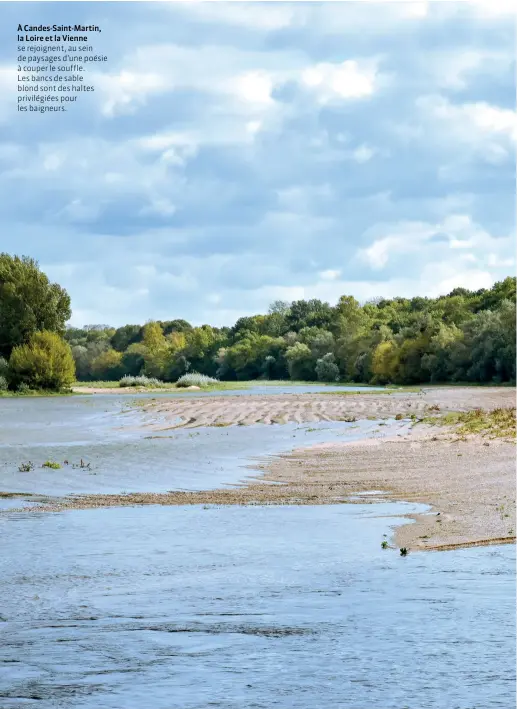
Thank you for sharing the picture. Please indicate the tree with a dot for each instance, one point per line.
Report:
(82, 362)
(309, 313)
(28, 302)
(108, 366)
(153, 338)
(327, 369)
(300, 362)
(125, 336)
(45, 362)
(385, 362)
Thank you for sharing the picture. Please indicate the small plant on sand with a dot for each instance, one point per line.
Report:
(384, 545)
(399, 417)
(25, 467)
(51, 464)
(196, 379)
(497, 423)
(403, 551)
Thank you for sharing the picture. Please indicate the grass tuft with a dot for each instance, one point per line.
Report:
(497, 423)
(51, 464)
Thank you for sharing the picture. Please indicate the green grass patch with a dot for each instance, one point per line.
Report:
(35, 392)
(497, 423)
(51, 464)
(98, 385)
(380, 392)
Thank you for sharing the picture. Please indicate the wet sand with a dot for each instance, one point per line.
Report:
(306, 408)
(469, 482)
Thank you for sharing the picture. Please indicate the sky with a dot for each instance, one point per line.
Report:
(234, 154)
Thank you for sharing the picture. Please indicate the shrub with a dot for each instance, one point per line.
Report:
(4, 368)
(51, 464)
(23, 388)
(46, 362)
(139, 381)
(3, 383)
(196, 379)
(327, 369)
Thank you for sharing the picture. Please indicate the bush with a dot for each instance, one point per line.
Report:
(23, 388)
(196, 379)
(140, 381)
(46, 362)
(3, 383)
(327, 369)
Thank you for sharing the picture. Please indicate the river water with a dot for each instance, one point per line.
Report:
(237, 607)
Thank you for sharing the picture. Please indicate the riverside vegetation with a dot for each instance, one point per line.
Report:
(464, 336)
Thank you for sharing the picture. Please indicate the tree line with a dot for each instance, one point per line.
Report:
(464, 336)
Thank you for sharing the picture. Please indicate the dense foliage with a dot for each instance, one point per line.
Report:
(464, 336)
(45, 362)
(28, 302)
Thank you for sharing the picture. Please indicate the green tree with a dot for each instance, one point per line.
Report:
(153, 339)
(108, 366)
(327, 369)
(29, 302)
(300, 362)
(45, 362)
(125, 336)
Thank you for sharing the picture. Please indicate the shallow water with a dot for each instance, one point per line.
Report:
(124, 456)
(291, 607)
(238, 608)
(260, 389)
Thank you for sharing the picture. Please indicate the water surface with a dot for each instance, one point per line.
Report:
(241, 608)
(125, 452)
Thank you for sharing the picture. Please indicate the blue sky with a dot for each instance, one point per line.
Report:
(238, 153)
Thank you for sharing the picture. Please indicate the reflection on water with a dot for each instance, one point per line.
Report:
(299, 607)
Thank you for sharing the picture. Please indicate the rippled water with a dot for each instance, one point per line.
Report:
(164, 608)
(124, 456)
(238, 607)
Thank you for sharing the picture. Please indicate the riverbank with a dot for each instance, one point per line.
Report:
(468, 484)
(465, 474)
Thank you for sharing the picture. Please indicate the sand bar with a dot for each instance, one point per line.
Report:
(468, 482)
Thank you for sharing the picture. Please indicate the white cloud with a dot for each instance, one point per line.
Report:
(123, 92)
(456, 232)
(363, 153)
(329, 275)
(348, 80)
(403, 238)
(471, 120)
(254, 87)
(238, 14)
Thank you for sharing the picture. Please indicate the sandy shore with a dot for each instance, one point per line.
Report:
(469, 482)
(167, 414)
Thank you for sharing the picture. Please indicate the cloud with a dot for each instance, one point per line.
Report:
(347, 80)
(235, 154)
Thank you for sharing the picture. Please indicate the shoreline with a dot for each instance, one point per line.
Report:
(467, 507)
(467, 481)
